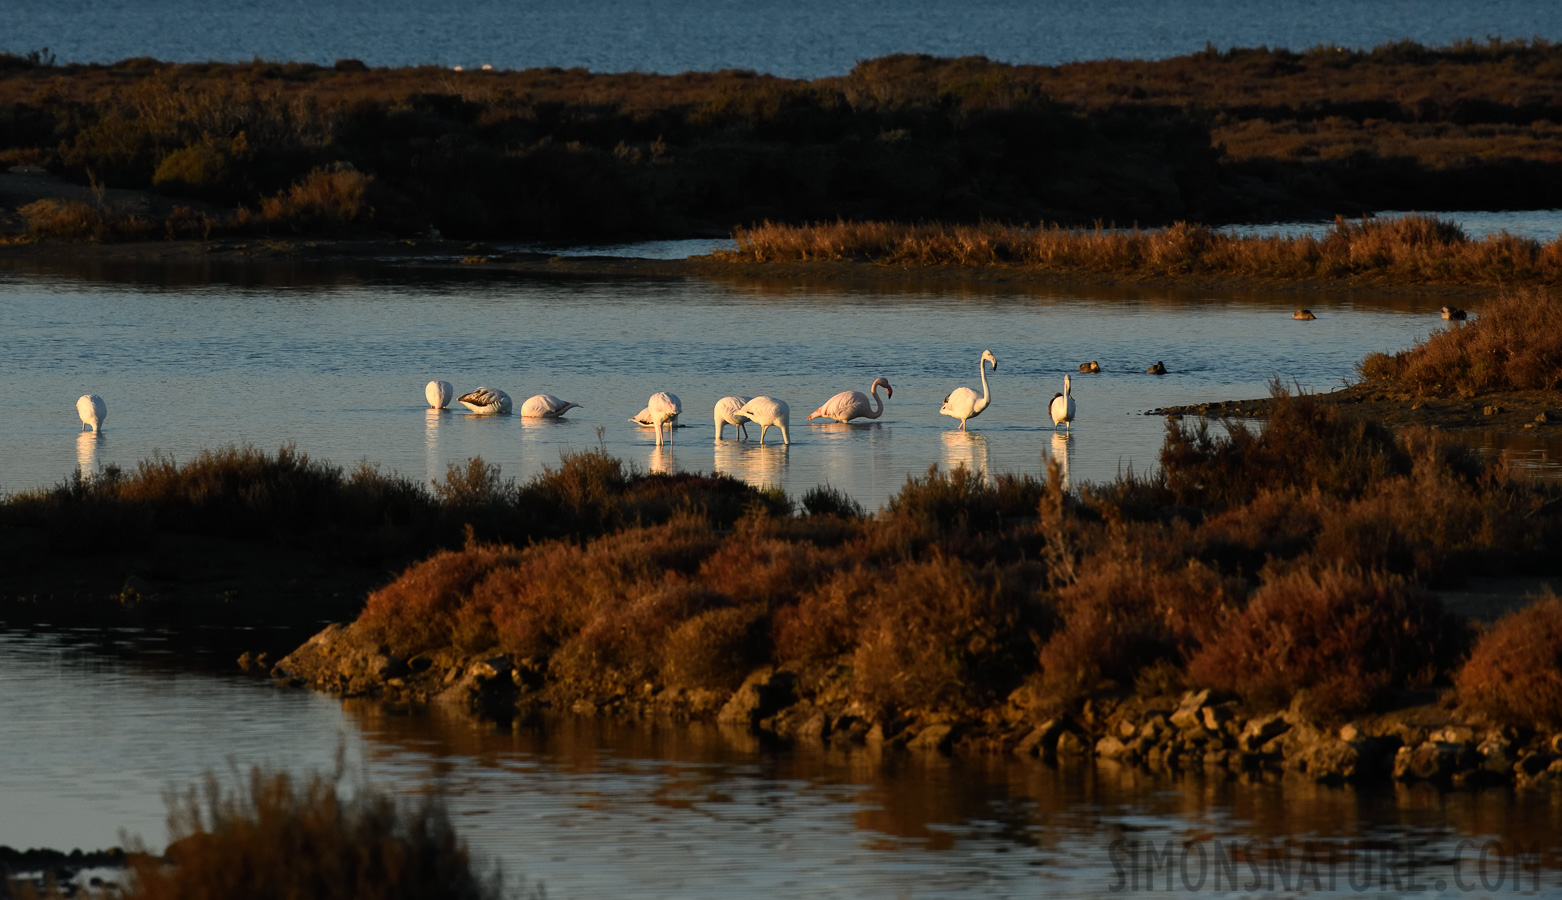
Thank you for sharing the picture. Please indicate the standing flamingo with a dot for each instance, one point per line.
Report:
(486, 402)
(768, 411)
(727, 414)
(848, 405)
(1062, 407)
(93, 411)
(663, 408)
(962, 402)
(438, 393)
(547, 406)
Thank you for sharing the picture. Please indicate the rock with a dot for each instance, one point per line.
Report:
(1042, 740)
(1261, 731)
(1432, 761)
(1542, 418)
(1127, 728)
(136, 591)
(1453, 734)
(1533, 763)
(1496, 756)
(934, 738)
(1110, 747)
(1216, 717)
(763, 693)
(1187, 716)
(1072, 744)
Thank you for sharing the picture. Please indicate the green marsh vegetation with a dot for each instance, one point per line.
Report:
(555, 154)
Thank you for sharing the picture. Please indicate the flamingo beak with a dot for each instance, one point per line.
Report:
(888, 391)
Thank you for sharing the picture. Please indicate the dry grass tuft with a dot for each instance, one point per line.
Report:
(277, 837)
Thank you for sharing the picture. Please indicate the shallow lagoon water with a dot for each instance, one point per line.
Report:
(595, 808)
(337, 368)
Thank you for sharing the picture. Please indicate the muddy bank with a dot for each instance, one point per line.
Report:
(1426, 737)
(1526, 412)
(468, 259)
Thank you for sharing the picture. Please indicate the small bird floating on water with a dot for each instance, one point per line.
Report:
(727, 414)
(1303, 315)
(486, 402)
(1158, 369)
(1062, 407)
(962, 402)
(768, 411)
(1454, 313)
(1090, 368)
(546, 406)
(439, 393)
(93, 411)
(848, 405)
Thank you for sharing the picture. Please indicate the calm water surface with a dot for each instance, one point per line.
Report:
(596, 809)
(799, 38)
(338, 370)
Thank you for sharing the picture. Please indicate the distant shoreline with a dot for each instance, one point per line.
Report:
(62, 257)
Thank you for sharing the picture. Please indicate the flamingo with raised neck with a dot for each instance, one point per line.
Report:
(962, 402)
(848, 405)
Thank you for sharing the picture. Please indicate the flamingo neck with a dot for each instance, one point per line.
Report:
(873, 391)
(981, 366)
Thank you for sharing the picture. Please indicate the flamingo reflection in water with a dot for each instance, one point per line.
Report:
(761, 466)
(662, 461)
(968, 449)
(432, 458)
(87, 444)
(1062, 449)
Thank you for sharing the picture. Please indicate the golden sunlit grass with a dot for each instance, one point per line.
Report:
(1402, 249)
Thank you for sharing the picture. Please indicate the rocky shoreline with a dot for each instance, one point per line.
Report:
(1425, 738)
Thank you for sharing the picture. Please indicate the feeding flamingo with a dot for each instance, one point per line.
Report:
(546, 406)
(486, 402)
(768, 411)
(727, 414)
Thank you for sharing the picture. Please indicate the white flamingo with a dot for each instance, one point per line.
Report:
(962, 402)
(486, 402)
(547, 406)
(768, 411)
(1062, 407)
(848, 405)
(439, 393)
(93, 411)
(643, 418)
(727, 414)
(663, 408)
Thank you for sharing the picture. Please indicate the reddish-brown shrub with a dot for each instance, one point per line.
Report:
(717, 648)
(421, 609)
(1344, 635)
(1513, 344)
(942, 634)
(1514, 673)
(1125, 612)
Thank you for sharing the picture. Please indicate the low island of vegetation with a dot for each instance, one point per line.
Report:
(1264, 597)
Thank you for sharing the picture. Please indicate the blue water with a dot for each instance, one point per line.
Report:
(798, 38)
